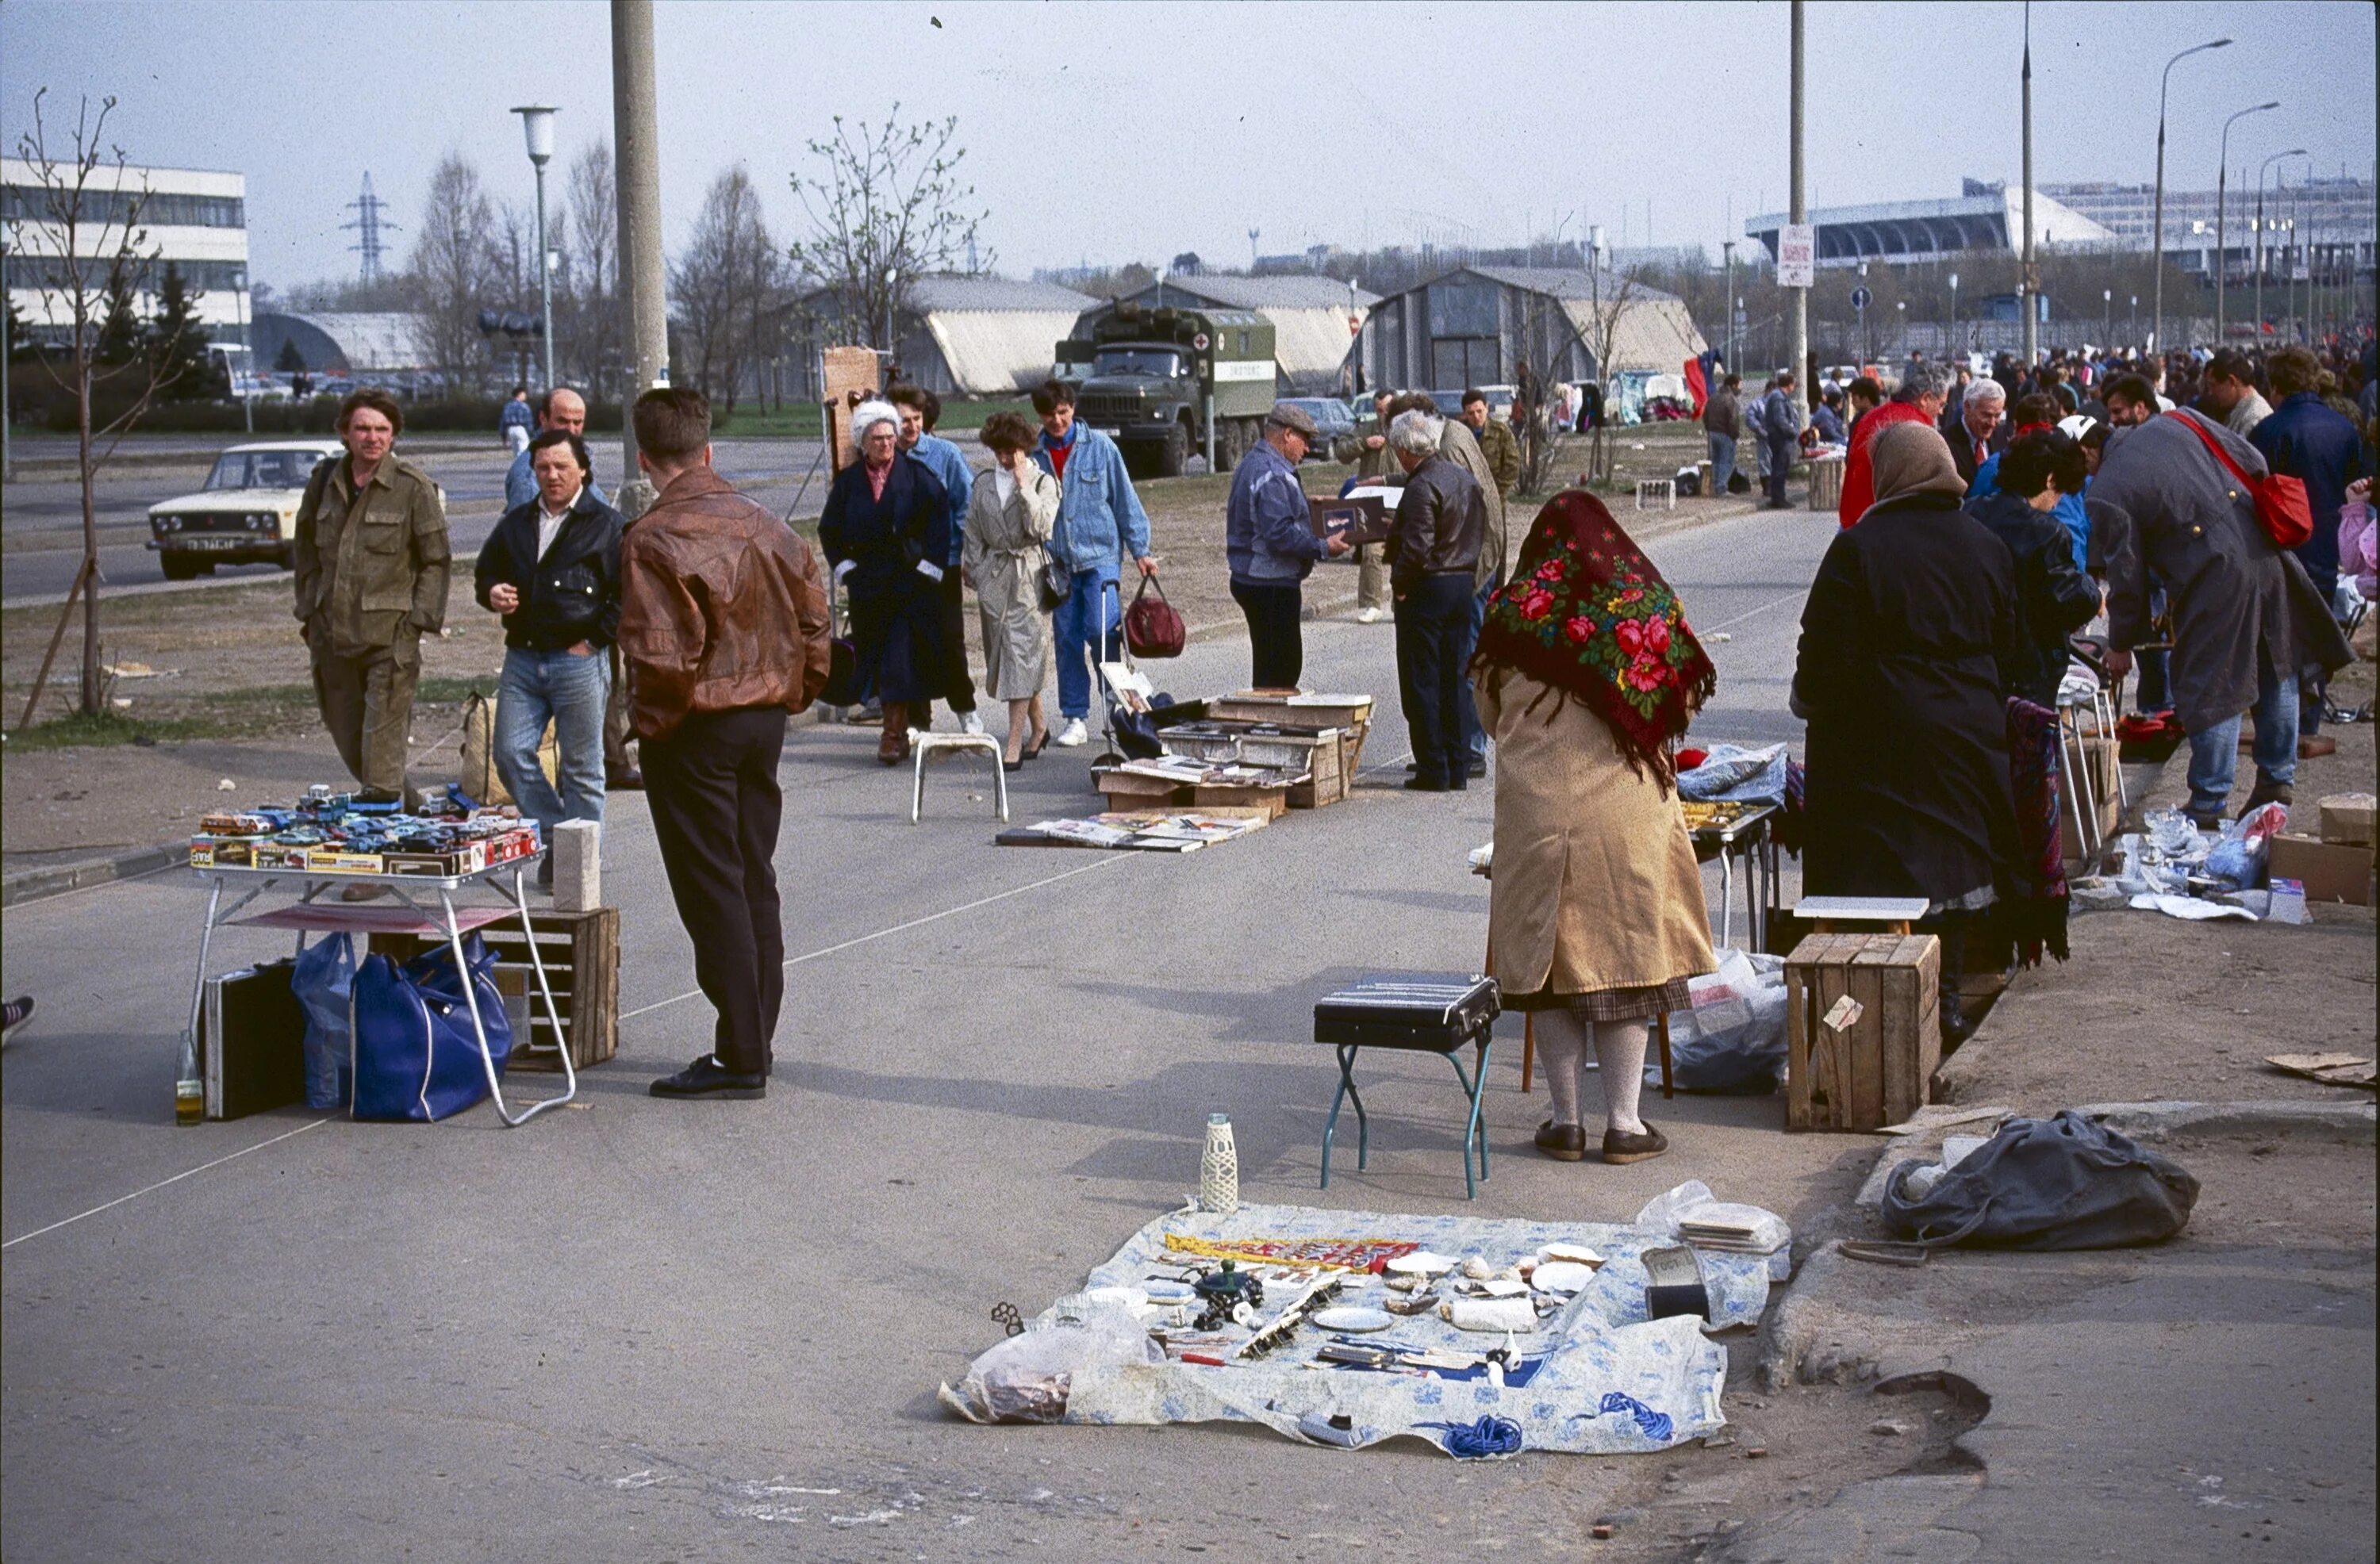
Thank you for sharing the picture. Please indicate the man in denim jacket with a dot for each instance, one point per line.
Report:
(1100, 520)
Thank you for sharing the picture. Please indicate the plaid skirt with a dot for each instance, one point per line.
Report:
(1608, 1004)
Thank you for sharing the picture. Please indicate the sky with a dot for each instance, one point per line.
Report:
(1115, 132)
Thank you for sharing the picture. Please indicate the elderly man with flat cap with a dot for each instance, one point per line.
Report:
(1269, 537)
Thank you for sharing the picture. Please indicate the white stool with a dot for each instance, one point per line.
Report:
(990, 746)
(1662, 489)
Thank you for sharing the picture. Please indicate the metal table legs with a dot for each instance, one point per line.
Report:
(1474, 1087)
(479, 1026)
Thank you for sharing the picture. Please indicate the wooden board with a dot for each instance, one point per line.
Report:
(846, 370)
(582, 955)
(1248, 706)
(1879, 1069)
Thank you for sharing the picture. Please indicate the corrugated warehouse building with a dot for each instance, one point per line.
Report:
(982, 336)
(1474, 325)
(342, 342)
(1314, 321)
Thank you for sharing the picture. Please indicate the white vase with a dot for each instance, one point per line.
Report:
(1219, 1169)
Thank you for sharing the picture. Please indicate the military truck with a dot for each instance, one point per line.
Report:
(1148, 375)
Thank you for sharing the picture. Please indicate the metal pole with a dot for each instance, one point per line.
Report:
(2032, 285)
(7, 351)
(636, 133)
(2156, 309)
(1798, 340)
(248, 393)
(2293, 151)
(544, 281)
(2222, 181)
(1726, 246)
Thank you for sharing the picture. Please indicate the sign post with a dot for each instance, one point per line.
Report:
(1797, 256)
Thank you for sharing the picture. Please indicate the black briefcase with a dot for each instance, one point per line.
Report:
(1434, 1011)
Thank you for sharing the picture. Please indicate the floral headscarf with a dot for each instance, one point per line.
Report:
(1587, 614)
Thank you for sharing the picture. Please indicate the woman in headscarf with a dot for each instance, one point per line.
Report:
(1908, 647)
(1587, 675)
(886, 530)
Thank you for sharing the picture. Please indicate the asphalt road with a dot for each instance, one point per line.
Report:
(657, 1329)
(42, 518)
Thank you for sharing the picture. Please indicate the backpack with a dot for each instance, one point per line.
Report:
(2067, 1183)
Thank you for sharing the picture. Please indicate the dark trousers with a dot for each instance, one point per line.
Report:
(958, 684)
(1433, 627)
(1474, 737)
(1276, 642)
(712, 789)
(617, 761)
(1780, 467)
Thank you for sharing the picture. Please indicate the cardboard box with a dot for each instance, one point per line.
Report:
(326, 860)
(2330, 871)
(2346, 820)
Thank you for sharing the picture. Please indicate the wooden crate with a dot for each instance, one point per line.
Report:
(1312, 711)
(1127, 791)
(581, 955)
(1879, 1071)
(1826, 485)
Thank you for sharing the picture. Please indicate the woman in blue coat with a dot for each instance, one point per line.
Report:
(886, 531)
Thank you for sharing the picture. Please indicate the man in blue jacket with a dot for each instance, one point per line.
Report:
(920, 410)
(1268, 539)
(2305, 439)
(1099, 519)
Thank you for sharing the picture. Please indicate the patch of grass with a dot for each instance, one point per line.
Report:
(224, 714)
(108, 728)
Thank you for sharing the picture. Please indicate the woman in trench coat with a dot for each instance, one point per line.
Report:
(1586, 675)
(1010, 514)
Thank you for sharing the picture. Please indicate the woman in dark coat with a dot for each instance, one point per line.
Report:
(886, 530)
(1907, 647)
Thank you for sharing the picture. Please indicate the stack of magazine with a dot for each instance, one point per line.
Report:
(1145, 832)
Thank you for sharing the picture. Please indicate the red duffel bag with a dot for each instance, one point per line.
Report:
(1151, 627)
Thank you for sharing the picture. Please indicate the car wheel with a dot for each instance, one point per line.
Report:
(177, 566)
(1175, 453)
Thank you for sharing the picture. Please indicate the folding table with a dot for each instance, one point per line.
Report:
(1423, 1013)
(309, 915)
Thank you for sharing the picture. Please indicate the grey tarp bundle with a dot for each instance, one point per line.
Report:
(2067, 1183)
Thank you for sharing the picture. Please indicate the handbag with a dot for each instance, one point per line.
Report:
(1056, 582)
(2282, 508)
(1151, 627)
(842, 686)
(415, 1058)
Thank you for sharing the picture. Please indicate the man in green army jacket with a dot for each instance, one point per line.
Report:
(371, 582)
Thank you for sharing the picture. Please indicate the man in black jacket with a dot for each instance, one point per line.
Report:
(2053, 598)
(1433, 549)
(551, 568)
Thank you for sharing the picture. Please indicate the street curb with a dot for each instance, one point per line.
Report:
(34, 885)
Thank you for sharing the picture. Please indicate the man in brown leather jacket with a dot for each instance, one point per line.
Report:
(723, 630)
(371, 569)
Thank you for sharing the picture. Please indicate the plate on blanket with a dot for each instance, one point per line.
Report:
(1355, 1321)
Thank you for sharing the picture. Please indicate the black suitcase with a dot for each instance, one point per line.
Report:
(1432, 1011)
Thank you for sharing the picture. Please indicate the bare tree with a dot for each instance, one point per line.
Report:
(724, 284)
(887, 208)
(593, 306)
(88, 255)
(1608, 304)
(457, 271)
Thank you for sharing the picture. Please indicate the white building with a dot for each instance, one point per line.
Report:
(1984, 217)
(196, 221)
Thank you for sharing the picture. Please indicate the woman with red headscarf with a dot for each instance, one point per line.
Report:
(1585, 675)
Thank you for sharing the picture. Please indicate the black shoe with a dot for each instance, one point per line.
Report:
(1619, 1147)
(1412, 766)
(1564, 1143)
(16, 1012)
(1476, 770)
(545, 870)
(2282, 793)
(628, 779)
(1424, 785)
(707, 1077)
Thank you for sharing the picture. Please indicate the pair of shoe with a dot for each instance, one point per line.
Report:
(1367, 616)
(1030, 751)
(2263, 793)
(1567, 1143)
(1433, 784)
(1074, 734)
(706, 1077)
(15, 1013)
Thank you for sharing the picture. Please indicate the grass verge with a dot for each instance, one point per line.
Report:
(227, 714)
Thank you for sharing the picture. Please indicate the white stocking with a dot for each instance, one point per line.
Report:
(1620, 1052)
(1561, 1050)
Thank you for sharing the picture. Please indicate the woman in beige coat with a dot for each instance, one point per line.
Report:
(1009, 517)
(1586, 675)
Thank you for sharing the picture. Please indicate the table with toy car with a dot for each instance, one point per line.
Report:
(444, 919)
(1740, 827)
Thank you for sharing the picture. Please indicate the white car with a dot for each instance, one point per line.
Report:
(246, 514)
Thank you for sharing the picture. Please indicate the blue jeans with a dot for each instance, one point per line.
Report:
(569, 691)
(2215, 752)
(1080, 623)
(1474, 737)
(1722, 459)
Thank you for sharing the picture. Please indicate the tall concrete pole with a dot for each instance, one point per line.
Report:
(2032, 290)
(1799, 340)
(636, 134)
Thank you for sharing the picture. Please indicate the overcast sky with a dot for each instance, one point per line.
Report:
(1130, 132)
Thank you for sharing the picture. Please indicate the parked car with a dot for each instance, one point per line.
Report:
(1331, 416)
(1500, 401)
(246, 513)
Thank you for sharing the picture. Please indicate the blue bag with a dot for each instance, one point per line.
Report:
(324, 973)
(415, 1059)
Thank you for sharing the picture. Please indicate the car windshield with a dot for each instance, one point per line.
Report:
(262, 469)
(1152, 361)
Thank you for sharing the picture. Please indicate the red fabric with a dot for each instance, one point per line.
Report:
(1058, 455)
(1695, 384)
(1859, 472)
(876, 478)
(2282, 508)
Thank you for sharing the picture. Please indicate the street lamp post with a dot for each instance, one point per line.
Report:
(2222, 177)
(891, 287)
(2293, 151)
(2132, 322)
(536, 127)
(2108, 294)
(2156, 310)
(1726, 247)
(1954, 312)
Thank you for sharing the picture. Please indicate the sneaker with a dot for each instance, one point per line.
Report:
(970, 723)
(15, 1013)
(1073, 735)
(1367, 616)
(707, 1077)
(1619, 1146)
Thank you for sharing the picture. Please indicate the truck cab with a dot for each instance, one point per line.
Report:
(1158, 379)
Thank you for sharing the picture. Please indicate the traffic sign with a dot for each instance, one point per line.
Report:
(1797, 256)
(1860, 298)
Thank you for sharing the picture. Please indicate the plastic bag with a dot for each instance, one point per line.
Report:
(324, 975)
(1692, 1201)
(1732, 771)
(1730, 1038)
(2237, 862)
(2067, 1183)
(1027, 1379)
